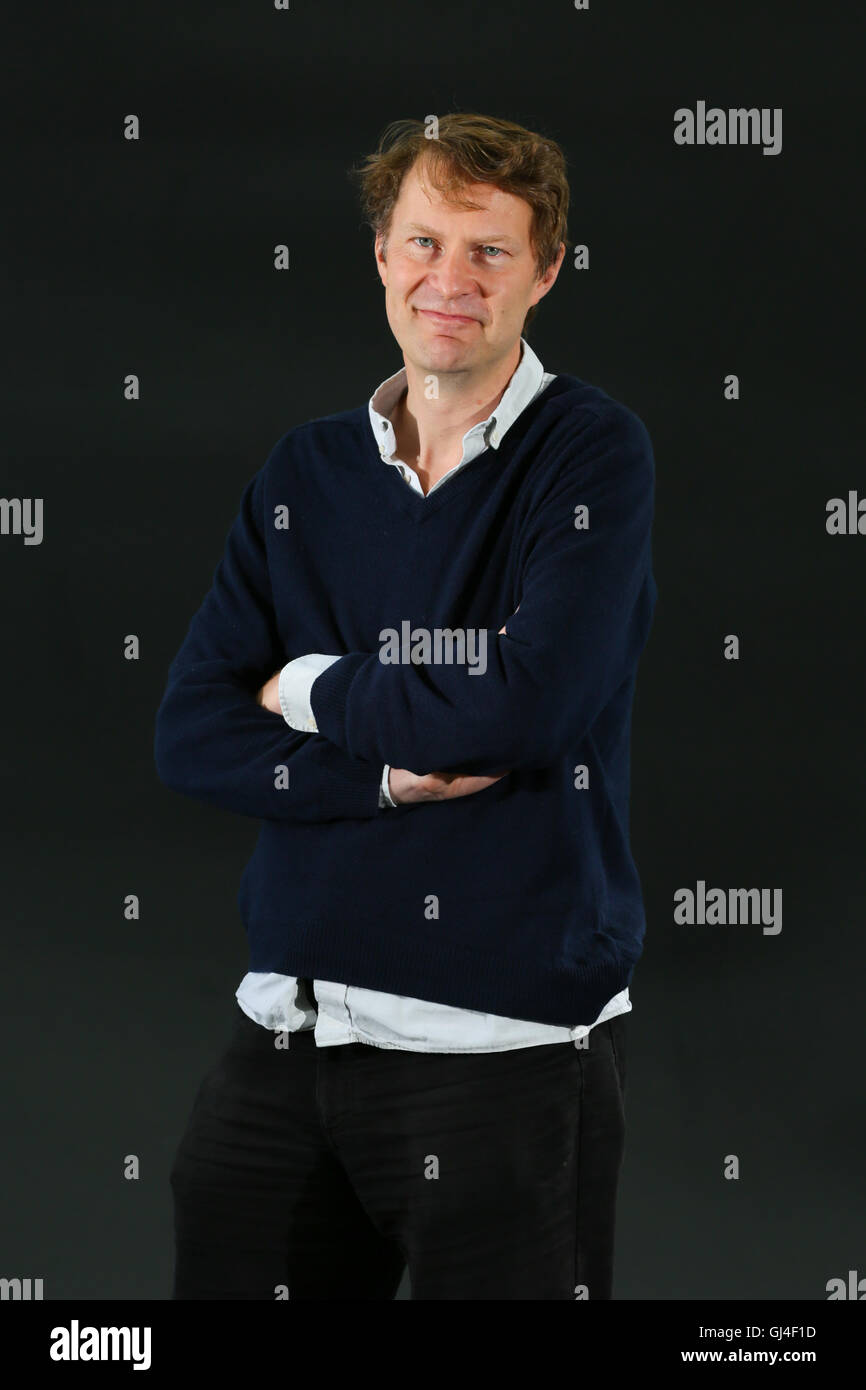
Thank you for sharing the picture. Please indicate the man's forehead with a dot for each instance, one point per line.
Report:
(419, 201)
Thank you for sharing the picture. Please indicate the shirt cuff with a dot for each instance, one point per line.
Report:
(294, 686)
(385, 797)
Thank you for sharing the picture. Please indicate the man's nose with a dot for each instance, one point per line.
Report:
(454, 280)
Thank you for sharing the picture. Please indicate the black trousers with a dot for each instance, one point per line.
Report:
(322, 1173)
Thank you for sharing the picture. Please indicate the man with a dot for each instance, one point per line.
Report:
(416, 666)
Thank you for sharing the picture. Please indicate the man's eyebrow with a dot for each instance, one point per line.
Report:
(479, 241)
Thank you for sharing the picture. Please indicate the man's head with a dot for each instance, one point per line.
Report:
(470, 224)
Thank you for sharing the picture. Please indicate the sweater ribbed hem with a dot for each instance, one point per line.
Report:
(442, 971)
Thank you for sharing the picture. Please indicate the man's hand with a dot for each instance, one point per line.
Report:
(269, 695)
(406, 786)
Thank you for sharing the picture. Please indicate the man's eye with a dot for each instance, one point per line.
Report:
(497, 249)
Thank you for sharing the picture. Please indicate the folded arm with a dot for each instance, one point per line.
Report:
(212, 740)
(586, 599)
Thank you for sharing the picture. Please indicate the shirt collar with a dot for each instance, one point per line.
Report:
(522, 387)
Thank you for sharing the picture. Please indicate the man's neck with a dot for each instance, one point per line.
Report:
(429, 433)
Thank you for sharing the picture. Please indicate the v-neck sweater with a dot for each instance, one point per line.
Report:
(524, 899)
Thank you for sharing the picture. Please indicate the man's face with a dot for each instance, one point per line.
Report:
(458, 283)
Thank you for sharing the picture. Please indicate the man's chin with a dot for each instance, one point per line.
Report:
(439, 344)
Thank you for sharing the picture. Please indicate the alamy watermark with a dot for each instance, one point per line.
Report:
(439, 646)
(21, 1290)
(22, 516)
(739, 125)
(77, 1343)
(734, 906)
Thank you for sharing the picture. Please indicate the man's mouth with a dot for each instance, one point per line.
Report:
(446, 318)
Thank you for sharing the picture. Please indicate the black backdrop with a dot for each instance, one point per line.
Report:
(155, 257)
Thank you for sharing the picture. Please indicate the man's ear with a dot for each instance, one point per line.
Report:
(546, 282)
(380, 248)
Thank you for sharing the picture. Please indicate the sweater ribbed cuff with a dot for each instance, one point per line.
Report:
(358, 793)
(328, 696)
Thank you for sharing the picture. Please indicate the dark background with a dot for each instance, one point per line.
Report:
(156, 257)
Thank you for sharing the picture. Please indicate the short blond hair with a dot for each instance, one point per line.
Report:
(471, 148)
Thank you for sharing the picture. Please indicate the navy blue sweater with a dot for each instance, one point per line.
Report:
(521, 900)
